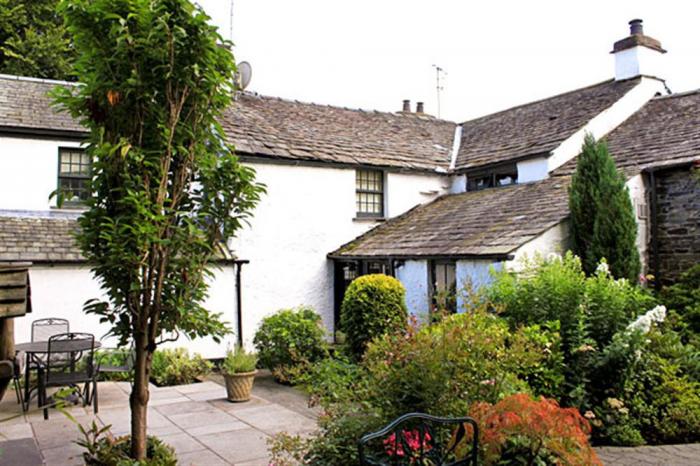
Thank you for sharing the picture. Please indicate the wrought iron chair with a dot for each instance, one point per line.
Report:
(104, 362)
(422, 440)
(42, 330)
(70, 363)
(17, 373)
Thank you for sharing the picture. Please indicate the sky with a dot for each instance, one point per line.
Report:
(496, 54)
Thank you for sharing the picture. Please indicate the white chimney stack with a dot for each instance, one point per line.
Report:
(637, 54)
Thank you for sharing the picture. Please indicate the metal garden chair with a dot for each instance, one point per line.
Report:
(418, 439)
(42, 330)
(70, 363)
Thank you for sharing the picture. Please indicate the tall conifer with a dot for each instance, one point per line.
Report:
(603, 223)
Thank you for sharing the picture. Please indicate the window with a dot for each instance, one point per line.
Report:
(495, 177)
(369, 193)
(444, 285)
(73, 175)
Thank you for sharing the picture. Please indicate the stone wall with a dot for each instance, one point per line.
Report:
(678, 217)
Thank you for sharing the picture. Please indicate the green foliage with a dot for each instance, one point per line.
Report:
(439, 369)
(114, 357)
(373, 305)
(109, 451)
(290, 338)
(330, 380)
(177, 367)
(168, 190)
(603, 223)
(590, 310)
(33, 40)
(684, 298)
(238, 361)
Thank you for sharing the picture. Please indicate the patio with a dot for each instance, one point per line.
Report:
(196, 420)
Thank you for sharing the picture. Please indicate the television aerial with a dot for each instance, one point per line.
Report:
(243, 75)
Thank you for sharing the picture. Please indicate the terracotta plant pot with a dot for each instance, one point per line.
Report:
(239, 386)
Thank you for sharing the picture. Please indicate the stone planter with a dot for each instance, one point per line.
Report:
(239, 386)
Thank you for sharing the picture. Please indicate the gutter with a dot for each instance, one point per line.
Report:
(396, 257)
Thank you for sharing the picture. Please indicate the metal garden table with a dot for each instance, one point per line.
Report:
(35, 348)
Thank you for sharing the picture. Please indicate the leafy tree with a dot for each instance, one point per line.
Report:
(603, 222)
(33, 40)
(168, 189)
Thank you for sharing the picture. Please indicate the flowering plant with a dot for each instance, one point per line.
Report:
(413, 439)
(520, 429)
(645, 321)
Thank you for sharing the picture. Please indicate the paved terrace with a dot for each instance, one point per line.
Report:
(196, 420)
(207, 430)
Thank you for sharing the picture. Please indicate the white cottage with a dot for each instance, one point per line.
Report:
(352, 192)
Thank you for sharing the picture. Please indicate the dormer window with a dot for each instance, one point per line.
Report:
(494, 177)
(369, 193)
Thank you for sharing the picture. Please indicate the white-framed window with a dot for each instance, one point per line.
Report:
(74, 168)
(369, 193)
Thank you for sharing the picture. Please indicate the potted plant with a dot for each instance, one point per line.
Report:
(239, 372)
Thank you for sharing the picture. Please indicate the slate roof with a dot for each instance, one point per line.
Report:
(38, 238)
(536, 128)
(665, 131)
(276, 128)
(491, 222)
(302, 131)
(24, 104)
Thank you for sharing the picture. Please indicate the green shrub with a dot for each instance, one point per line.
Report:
(443, 368)
(238, 361)
(373, 306)
(590, 311)
(102, 449)
(684, 298)
(176, 367)
(288, 339)
(330, 380)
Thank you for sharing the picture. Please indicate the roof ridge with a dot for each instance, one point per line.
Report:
(14, 77)
(677, 94)
(425, 117)
(607, 81)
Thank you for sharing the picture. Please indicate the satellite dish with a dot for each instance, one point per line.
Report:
(245, 72)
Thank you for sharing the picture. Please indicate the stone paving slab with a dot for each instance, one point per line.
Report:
(662, 455)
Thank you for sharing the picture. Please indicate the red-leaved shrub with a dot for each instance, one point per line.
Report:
(523, 430)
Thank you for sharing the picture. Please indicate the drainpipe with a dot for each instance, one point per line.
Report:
(239, 301)
(656, 266)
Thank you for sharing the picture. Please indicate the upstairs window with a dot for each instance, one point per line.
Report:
(74, 169)
(498, 176)
(369, 193)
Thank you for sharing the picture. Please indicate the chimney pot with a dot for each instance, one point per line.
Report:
(407, 106)
(636, 27)
(419, 107)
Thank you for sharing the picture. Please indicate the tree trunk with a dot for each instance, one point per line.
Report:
(139, 399)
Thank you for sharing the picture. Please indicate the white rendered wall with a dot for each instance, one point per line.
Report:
(414, 277)
(554, 240)
(61, 291)
(406, 190)
(308, 211)
(636, 61)
(532, 170)
(637, 189)
(29, 172)
(472, 275)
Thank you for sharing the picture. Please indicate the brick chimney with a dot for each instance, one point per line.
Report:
(406, 106)
(419, 107)
(637, 54)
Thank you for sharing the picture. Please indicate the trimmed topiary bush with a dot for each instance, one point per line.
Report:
(288, 339)
(373, 306)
